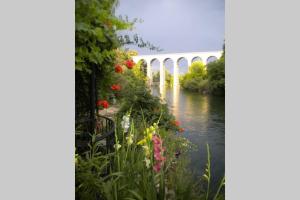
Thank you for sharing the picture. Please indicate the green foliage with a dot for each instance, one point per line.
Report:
(95, 34)
(90, 169)
(211, 80)
(129, 176)
(169, 79)
(216, 75)
(195, 79)
(136, 95)
(96, 42)
(156, 76)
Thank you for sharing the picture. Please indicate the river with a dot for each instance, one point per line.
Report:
(203, 118)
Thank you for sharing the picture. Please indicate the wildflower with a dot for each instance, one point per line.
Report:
(102, 103)
(118, 69)
(181, 130)
(148, 135)
(147, 150)
(156, 140)
(129, 139)
(129, 64)
(158, 153)
(115, 87)
(125, 122)
(143, 141)
(157, 167)
(117, 146)
(147, 161)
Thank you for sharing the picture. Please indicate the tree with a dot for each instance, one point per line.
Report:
(195, 79)
(216, 75)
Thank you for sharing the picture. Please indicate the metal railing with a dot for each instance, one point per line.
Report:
(103, 127)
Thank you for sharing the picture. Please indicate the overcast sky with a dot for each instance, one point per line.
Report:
(177, 25)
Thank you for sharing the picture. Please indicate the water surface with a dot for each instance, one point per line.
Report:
(203, 118)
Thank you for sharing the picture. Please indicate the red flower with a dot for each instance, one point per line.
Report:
(176, 123)
(102, 103)
(129, 64)
(115, 87)
(118, 69)
(181, 130)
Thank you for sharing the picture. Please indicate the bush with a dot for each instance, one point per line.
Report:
(136, 96)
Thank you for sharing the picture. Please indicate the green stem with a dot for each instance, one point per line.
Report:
(219, 188)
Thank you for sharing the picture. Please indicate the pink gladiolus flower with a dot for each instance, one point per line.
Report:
(156, 167)
(156, 140)
(158, 151)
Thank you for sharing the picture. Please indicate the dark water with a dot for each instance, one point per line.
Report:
(203, 118)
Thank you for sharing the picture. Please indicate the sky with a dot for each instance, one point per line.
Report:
(177, 25)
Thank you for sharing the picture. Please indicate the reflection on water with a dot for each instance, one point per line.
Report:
(203, 118)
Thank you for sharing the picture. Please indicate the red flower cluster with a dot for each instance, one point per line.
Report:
(177, 124)
(102, 103)
(158, 151)
(116, 87)
(129, 64)
(118, 69)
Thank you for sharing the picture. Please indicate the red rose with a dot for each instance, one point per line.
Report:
(115, 87)
(129, 64)
(118, 69)
(102, 103)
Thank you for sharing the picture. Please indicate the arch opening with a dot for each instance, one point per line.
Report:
(143, 66)
(211, 59)
(154, 65)
(168, 64)
(182, 64)
(197, 58)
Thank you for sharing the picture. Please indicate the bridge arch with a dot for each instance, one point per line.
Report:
(211, 59)
(155, 68)
(196, 58)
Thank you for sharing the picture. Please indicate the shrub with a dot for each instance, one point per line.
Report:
(136, 96)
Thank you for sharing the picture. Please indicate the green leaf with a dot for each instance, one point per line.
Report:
(99, 34)
(135, 194)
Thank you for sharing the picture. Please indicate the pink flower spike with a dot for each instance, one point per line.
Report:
(156, 139)
(156, 167)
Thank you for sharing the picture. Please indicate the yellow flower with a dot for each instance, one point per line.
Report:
(129, 139)
(150, 136)
(143, 141)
